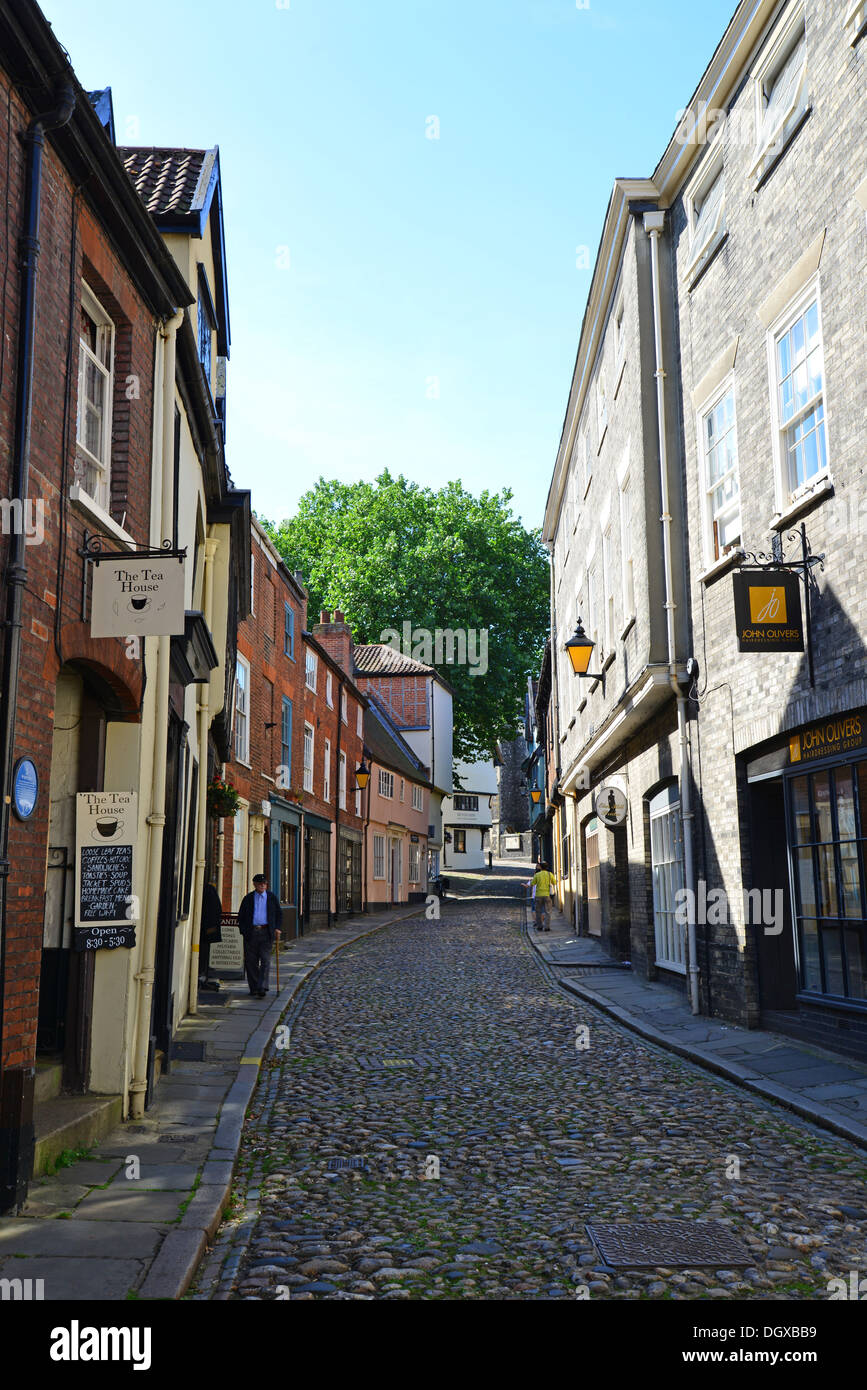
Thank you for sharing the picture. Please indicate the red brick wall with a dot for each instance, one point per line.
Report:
(72, 244)
(405, 698)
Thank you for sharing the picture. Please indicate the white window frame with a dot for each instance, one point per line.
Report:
(359, 721)
(856, 20)
(341, 781)
(326, 776)
(97, 487)
(242, 711)
(703, 241)
(708, 405)
(414, 862)
(588, 461)
(608, 600)
(379, 857)
(403, 788)
(601, 405)
(627, 557)
(308, 762)
(329, 690)
(386, 784)
(417, 798)
(770, 143)
(618, 319)
(344, 707)
(591, 626)
(311, 662)
(358, 801)
(666, 871)
(786, 494)
(252, 584)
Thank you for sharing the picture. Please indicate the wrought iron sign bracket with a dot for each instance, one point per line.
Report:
(95, 549)
(803, 567)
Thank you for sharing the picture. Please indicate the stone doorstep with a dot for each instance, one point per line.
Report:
(71, 1122)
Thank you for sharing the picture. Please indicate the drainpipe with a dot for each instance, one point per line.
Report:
(340, 696)
(653, 225)
(33, 140)
(203, 710)
(157, 818)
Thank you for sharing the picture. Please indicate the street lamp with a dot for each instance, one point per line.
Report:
(362, 775)
(579, 648)
(535, 794)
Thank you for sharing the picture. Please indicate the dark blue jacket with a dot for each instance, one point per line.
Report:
(245, 914)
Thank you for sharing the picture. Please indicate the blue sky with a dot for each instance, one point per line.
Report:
(400, 301)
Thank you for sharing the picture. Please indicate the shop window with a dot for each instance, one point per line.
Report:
(828, 845)
(287, 864)
(666, 867)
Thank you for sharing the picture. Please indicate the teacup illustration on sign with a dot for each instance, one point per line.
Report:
(106, 827)
(137, 609)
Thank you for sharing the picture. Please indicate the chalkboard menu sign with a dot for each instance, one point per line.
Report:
(106, 907)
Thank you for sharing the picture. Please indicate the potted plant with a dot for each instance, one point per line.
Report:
(223, 799)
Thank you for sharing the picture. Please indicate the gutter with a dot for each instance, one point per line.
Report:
(12, 1183)
(654, 223)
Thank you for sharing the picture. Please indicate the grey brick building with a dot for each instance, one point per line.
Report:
(718, 403)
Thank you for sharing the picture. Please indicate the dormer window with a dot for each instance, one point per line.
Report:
(207, 325)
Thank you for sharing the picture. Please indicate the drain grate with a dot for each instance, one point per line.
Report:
(646, 1244)
(340, 1165)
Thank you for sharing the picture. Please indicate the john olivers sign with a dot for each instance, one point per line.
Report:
(768, 611)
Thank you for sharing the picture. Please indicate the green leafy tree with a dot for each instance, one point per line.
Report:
(392, 552)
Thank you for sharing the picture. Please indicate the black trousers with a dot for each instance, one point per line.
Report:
(257, 958)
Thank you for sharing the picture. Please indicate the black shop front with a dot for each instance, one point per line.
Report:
(807, 795)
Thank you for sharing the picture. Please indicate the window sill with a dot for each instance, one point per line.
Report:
(583, 705)
(767, 161)
(720, 566)
(243, 763)
(609, 661)
(628, 628)
(602, 439)
(696, 272)
(587, 485)
(84, 503)
(821, 489)
(618, 374)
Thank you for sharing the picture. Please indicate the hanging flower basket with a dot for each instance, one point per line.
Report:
(223, 800)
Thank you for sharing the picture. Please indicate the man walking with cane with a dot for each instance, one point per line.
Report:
(259, 919)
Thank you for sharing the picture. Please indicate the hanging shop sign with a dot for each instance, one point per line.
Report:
(105, 835)
(768, 611)
(611, 806)
(25, 788)
(137, 597)
(844, 733)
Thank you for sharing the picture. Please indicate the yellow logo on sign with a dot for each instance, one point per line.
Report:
(767, 605)
(795, 749)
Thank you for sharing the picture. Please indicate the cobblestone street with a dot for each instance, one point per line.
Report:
(441, 1046)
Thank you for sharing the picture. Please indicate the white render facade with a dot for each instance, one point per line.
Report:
(467, 816)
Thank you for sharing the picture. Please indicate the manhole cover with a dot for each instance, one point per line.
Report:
(637, 1244)
(339, 1165)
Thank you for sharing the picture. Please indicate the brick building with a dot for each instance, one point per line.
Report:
(717, 403)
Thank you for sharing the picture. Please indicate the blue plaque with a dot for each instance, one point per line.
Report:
(25, 787)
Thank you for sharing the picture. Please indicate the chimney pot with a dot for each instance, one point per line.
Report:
(338, 616)
(325, 616)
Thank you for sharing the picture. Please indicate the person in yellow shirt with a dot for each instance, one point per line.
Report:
(543, 884)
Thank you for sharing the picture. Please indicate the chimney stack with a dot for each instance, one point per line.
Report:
(335, 635)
